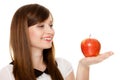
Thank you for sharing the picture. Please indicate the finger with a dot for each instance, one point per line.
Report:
(105, 55)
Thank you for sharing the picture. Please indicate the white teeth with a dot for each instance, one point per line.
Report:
(47, 38)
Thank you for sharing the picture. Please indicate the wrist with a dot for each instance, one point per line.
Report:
(83, 64)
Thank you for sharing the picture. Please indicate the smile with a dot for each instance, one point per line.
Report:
(47, 38)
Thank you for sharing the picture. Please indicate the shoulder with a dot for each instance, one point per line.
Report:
(6, 73)
(64, 66)
(6, 68)
(62, 61)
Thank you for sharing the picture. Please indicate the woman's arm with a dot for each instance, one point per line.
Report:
(82, 72)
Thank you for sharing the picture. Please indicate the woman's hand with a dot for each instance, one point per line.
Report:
(83, 67)
(93, 60)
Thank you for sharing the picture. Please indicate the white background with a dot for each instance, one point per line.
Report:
(74, 20)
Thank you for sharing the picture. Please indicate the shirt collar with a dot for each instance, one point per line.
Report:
(37, 72)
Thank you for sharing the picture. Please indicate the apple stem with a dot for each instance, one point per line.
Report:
(90, 36)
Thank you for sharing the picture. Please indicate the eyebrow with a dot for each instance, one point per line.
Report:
(40, 23)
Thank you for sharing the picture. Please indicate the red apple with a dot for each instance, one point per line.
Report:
(90, 47)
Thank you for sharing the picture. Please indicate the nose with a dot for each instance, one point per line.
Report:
(49, 29)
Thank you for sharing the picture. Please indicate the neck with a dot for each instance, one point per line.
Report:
(37, 59)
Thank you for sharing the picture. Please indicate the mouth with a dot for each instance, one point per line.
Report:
(48, 39)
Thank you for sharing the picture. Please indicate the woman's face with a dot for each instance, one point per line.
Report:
(41, 34)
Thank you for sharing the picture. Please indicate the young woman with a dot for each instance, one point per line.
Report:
(32, 49)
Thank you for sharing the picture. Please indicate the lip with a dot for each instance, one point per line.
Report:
(48, 38)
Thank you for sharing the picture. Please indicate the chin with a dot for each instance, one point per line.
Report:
(47, 47)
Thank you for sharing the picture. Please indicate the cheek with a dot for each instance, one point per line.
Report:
(34, 35)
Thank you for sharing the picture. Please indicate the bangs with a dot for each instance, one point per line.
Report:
(37, 14)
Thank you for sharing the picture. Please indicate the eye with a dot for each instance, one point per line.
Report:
(41, 26)
(51, 25)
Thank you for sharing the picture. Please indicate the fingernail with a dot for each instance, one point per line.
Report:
(112, 53)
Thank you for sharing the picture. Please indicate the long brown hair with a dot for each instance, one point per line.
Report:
(24, 17)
